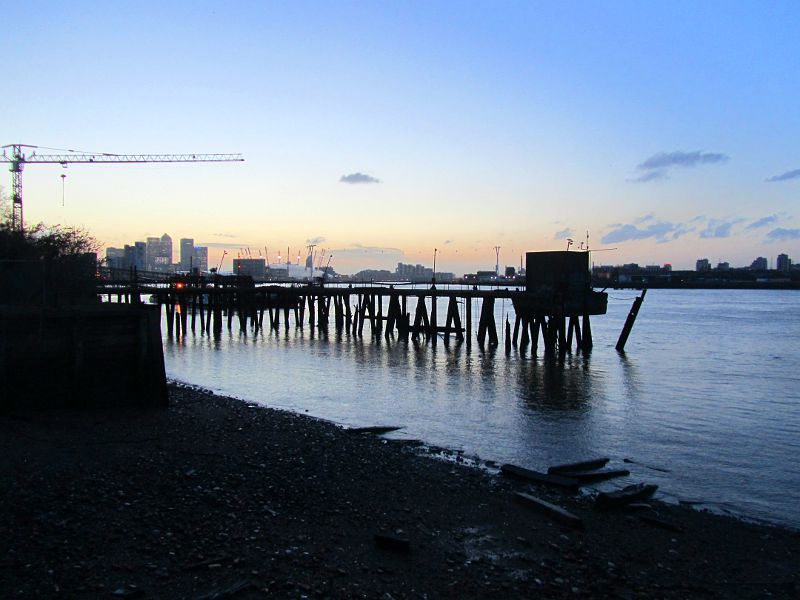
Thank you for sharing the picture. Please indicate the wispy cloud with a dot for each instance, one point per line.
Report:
(358, 178)
(763, 222)
(315, 240)
(563, 234)
(718, 228)
(661, 231)
(448, 242)
(359, 251)
(781, 235)
(795, 174)
(666, 160)
(657, 166)
(645, 219)
(223, 245)
(650, 176)
(225, 235)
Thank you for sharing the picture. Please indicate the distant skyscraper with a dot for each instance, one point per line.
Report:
(200, 259)
(166, 248)
(187, 254)
(140, 256)
(759, 264)
(153, 249)
(159, 254)
(784, 263)
(702, 264)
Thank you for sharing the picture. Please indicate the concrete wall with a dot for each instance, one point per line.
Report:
(95, 356)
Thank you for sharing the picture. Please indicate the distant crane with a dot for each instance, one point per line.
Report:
(19, 159)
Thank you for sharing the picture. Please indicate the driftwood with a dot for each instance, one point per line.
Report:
(592, 476)
(625, 496)
(378, 429)
(536, 477)
(586, 465)
(551, 510)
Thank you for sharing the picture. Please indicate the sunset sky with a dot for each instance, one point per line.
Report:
(669, 131)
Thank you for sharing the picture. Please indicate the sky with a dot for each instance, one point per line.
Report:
(385, 132)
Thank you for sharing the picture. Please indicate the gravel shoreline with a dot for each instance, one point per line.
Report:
(216, 498)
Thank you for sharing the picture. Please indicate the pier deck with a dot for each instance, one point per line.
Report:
(560, 316)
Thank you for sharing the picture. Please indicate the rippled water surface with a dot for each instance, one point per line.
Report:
(708, 389)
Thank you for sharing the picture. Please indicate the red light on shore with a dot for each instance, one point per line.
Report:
(179, 285)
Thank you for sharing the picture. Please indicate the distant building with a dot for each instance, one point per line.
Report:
(136, 256)
(186, 255)
(375, 275)
(784, 263)
(702, 264)
(723, 266)
(200, 259)
(159, 254)
(254, 267)
(153, 249)
(413, 272)
(445, 277)
(759, 264)
(115, 258)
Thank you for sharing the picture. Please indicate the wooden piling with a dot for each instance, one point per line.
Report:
(626, 330)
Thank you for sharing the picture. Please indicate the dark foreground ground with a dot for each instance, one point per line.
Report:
(213, 498)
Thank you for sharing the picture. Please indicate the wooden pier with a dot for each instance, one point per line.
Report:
(209, 305)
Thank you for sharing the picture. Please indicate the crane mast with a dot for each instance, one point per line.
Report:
(14, 154)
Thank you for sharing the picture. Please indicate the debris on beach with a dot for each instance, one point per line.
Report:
(585, 465)
(536, 477)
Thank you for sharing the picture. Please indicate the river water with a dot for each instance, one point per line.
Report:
(706, 399)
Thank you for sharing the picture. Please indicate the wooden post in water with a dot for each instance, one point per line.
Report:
(311, 318)
(168, 310)
(194, 309)
(526, 338)
(626, 330)
(468, 311)
(432, 325)
(587, 333)
(486, 325)
(562, 335)
(380, 313)
(420, 318)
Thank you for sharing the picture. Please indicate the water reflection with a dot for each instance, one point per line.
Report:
(552, 383)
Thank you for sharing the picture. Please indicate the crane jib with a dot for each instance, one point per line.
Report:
(121, 158)
(18, 160)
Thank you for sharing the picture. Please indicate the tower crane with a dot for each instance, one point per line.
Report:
(14, 154)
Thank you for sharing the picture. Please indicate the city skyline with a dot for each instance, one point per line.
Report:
(186, 251)
(668, 132)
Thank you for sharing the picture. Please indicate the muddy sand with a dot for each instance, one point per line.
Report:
(216, 498)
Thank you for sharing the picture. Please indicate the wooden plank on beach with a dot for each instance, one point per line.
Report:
(592, 476)
(536, 477)
(551, 510)
(378, 429)
(585, 465)
(625, 496)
